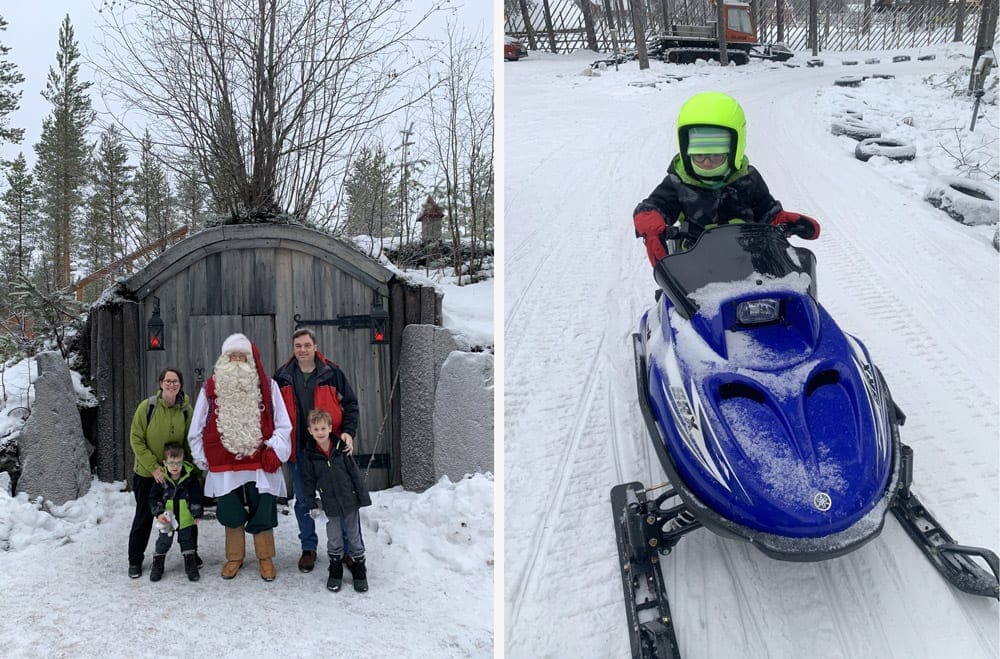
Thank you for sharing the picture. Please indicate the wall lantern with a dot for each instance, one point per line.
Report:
(154, 329)
(380, 324)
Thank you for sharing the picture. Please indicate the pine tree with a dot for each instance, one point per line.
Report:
(63, 153)
(10, 99)
(19, 227)
(192, 197)
(152, 197)
(18, 221)
(109, 233)
(372, 198)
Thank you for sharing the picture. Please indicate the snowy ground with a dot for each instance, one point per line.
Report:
(65, 592)
(920, 289)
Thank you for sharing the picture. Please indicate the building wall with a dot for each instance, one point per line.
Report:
(260, 280)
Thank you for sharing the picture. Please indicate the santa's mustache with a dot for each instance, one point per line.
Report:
(226, 367)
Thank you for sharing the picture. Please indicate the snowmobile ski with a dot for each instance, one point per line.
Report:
(651, 627)
(952, 560)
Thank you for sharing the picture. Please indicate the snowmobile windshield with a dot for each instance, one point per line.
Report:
(730, 253)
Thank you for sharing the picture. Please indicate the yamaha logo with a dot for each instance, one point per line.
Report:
(822, 501)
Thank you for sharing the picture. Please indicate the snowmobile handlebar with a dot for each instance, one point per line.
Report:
(681, 231)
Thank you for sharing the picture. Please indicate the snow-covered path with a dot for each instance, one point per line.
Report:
(919, 289)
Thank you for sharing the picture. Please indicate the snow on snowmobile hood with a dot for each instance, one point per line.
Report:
(781, 426)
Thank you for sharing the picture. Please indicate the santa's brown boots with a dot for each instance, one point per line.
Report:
(236, 546)
(263, 545)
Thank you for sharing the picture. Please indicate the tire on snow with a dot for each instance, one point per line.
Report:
(849, 81)
(884, 146)
(967, 201)
(854, 129)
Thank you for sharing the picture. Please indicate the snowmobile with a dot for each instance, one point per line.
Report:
(771, 423)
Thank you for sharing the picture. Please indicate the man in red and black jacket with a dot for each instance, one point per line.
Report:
(308, 381)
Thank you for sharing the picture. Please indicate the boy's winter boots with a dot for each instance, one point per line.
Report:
(336, 573)
(191, 567)
(360, 573)
(263, 545)
(236, 546)
(156, 571)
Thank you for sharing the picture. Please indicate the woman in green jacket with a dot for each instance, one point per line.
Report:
(158, 420)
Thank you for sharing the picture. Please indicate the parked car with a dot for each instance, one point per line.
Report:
(513, 49)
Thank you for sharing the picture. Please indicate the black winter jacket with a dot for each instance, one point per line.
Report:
(336, 479)
(332, 392)
(182, 497)
(681, 197)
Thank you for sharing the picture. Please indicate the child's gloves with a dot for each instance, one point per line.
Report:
(797, 224)
(162, 522)
(650, 225)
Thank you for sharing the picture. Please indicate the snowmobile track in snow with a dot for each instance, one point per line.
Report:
(543, 530)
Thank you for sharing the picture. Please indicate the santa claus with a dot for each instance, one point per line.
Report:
(240, 435)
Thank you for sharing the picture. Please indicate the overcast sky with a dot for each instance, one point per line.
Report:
(33, 36)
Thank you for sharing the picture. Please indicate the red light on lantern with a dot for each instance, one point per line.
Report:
(154, 329)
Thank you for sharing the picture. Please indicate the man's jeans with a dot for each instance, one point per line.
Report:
(307, 526)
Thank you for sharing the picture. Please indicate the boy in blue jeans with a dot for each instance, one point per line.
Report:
(329, 471)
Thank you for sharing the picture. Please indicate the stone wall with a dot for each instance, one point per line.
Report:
(55, 456)
(447, 407)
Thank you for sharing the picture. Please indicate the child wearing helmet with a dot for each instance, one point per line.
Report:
(710, 181)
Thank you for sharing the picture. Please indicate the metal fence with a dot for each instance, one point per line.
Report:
(561, 25)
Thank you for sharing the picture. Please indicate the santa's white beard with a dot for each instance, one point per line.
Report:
(237, 391)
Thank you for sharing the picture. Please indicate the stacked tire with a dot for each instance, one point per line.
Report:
(964, 200)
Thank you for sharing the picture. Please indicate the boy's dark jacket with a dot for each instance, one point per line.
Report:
(182, 497)
(338, 481)
(680, 197)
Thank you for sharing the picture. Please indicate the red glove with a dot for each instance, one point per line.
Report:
(269, 460)
(798, 224)
(650, 225)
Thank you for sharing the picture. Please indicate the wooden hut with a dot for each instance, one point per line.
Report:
(264, 280)
(430, 219)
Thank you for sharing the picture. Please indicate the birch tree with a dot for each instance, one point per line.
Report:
(266, 94)
(461, 127)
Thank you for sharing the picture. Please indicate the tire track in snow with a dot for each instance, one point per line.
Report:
(542, 533)
(512, 310)
(579, 502)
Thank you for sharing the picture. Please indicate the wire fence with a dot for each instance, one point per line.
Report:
(562, 25)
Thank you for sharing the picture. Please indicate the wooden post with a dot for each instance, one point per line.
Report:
(548, 26)
(526, 17)
(720, 27)
(588, 24)
(640, 35)
(779, 19)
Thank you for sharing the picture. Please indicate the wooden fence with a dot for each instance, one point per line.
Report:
(560, 25)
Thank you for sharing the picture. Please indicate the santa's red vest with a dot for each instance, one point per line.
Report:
(218, 457)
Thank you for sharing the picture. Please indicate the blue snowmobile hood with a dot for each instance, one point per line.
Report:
(780, 425)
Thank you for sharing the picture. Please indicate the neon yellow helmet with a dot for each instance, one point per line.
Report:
(713, 109)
